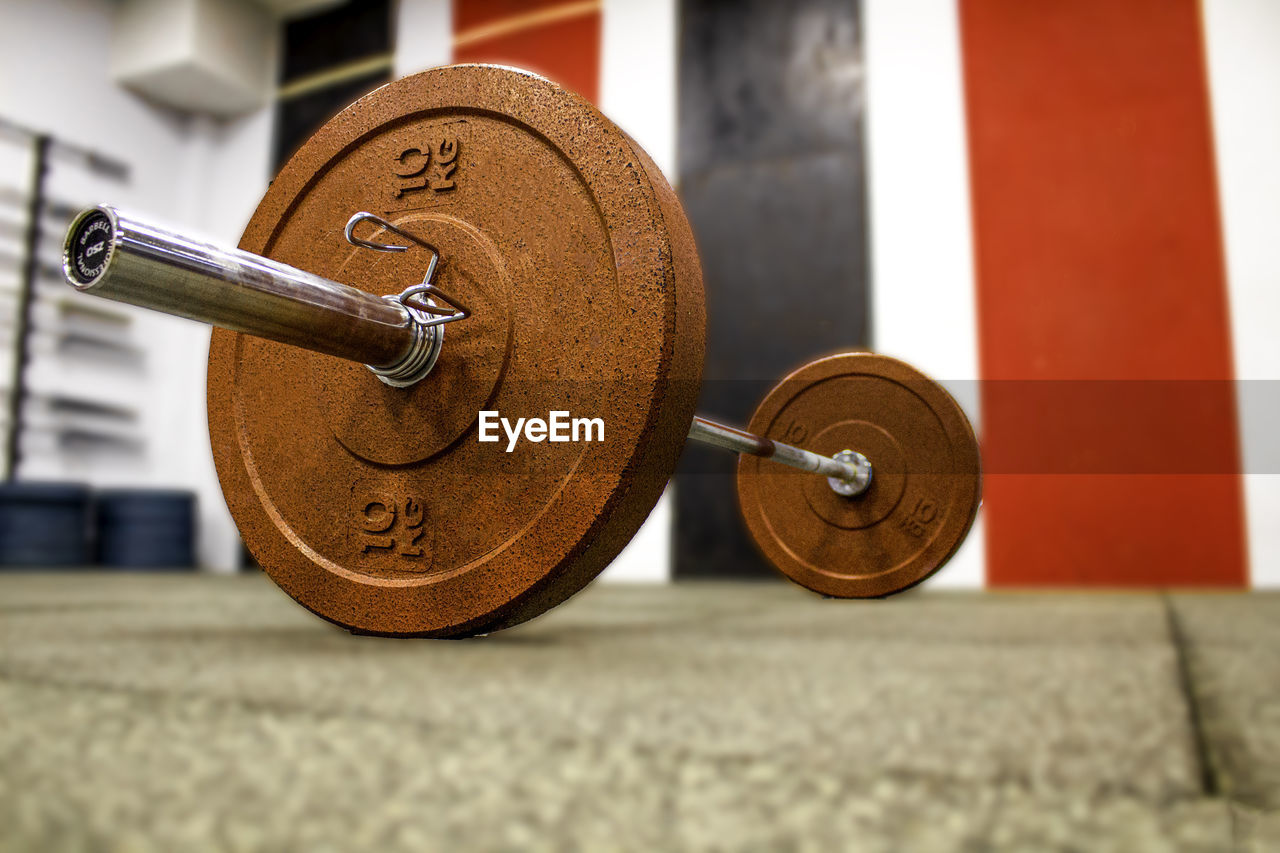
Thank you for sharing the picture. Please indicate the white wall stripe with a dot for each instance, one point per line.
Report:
(638, 91)
(424, 35)
(1244, 87)
(638, 74)
(922, 282)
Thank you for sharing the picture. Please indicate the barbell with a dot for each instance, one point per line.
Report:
(457, 354)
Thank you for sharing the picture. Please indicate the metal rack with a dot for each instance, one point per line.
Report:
(43, 327)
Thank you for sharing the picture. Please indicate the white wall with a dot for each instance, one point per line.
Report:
(424, 35)
(922, 277)
(1244, 83)
(638, 74)
(191, 173)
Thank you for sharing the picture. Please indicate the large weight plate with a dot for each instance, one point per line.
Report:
(377, 507)
(924, 493)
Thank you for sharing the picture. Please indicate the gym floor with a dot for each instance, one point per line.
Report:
(191, 712)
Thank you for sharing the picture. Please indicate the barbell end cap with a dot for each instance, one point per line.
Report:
(89, 247)
(861, 479)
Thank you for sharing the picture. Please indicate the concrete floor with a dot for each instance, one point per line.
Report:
(172, 712)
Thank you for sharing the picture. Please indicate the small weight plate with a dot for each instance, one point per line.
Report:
(378, 508)
(925, 489)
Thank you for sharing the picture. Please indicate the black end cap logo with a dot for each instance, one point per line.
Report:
(90, 247)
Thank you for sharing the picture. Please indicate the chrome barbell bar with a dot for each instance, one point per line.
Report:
(119, 257)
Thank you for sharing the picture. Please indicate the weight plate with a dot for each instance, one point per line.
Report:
(378, 508)
(925, 489)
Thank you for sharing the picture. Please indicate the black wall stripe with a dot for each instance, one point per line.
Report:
(321, 42)
(772, 173)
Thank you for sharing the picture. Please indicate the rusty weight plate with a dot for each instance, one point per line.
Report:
(378, 508)
(924, 493)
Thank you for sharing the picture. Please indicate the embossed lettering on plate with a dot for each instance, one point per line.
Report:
(389, 528)
(427, 166)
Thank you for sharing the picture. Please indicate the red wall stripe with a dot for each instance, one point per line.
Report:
(559, 40)
(1099, 257)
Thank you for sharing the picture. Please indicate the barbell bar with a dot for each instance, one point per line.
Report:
(120, 257)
